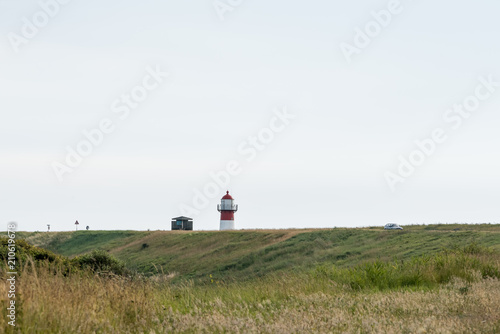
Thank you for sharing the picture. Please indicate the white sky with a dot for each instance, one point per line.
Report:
(326, 168)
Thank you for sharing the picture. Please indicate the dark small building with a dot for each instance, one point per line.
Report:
(182, 223)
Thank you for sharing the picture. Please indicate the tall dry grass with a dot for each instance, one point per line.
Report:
(82, 302)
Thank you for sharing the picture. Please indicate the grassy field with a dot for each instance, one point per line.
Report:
(458, 292)
(425, 279)
(248, 254)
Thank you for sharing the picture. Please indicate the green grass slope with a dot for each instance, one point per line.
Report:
(75, 243)
(253, 253)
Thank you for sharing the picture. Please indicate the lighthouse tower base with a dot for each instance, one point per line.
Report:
(226, 225)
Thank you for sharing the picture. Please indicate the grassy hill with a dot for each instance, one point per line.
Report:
(432, 279)
(253, 253)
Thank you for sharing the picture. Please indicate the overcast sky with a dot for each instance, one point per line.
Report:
(312, 104)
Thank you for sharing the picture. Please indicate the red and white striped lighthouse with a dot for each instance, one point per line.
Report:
(227, 208)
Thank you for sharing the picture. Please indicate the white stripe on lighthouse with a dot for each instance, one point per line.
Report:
(226, 225)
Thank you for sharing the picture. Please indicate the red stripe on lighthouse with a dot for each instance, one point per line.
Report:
(226, 215)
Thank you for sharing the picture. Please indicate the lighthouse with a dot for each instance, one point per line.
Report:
(227, 208)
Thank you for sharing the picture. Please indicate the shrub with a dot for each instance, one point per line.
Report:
(23, 251)
(100, 261)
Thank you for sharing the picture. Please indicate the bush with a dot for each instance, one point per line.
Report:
(100, 261)
(23, 251)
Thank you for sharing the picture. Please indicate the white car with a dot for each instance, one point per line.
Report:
(392, 226)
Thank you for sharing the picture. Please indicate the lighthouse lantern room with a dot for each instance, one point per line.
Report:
(227, 208)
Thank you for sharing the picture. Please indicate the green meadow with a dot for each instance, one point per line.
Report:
(424, 279)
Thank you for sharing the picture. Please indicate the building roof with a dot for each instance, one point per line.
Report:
(182, 218)
(227, 196)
